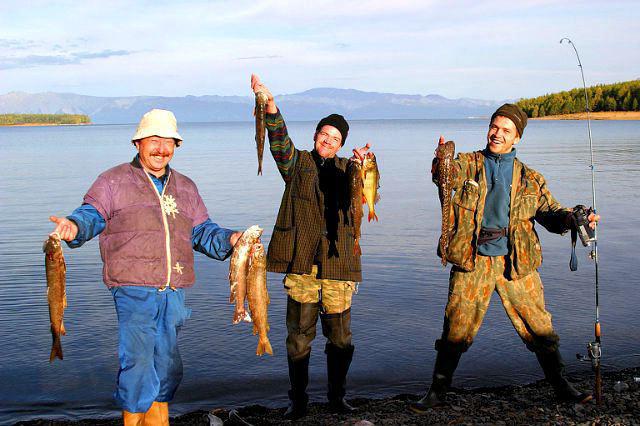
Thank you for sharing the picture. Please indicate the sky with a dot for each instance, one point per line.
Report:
(476, 49)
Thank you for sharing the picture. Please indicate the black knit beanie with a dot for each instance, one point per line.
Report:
(337, 121)
(513, 113)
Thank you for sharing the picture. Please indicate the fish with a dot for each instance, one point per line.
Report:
(371, 183)
(258, 298)
(56, 271)
(260, 111)
(355, 175)
(238, 271)
(444, 170)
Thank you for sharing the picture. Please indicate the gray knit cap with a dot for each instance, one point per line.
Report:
(513, 113)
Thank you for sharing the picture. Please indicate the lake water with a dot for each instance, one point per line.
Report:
(397, 314)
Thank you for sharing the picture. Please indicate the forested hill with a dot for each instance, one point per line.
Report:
(605, 97)
(23, 119)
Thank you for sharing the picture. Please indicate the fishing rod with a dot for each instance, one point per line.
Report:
(594, 349)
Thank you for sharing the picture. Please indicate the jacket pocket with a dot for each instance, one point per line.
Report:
(281, 244)
(463, 225)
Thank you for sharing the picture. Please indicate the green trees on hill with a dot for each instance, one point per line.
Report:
(9, 119)
(605, 97)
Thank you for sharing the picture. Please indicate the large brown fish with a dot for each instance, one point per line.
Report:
(371, 183)
(355, 174)
(56, 290)
(239, 270)
(444, 154)
(258, 298)
(261, 110)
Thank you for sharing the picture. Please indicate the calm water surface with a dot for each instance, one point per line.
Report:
(397, 313)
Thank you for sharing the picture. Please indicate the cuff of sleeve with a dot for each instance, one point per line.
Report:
(272, 118)
(80, 237)
(227, 248)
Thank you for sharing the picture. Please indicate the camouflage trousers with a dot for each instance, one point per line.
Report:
(310, 297)
(523, 301)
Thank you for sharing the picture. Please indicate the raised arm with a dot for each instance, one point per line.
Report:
(282, 149)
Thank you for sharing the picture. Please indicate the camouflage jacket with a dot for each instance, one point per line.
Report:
(531, 201)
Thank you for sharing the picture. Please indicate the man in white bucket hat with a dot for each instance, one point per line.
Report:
(150, 219)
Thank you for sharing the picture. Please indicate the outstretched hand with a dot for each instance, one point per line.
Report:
(65, 228)
(257, 86)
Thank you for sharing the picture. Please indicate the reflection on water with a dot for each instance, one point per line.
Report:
(397, 313)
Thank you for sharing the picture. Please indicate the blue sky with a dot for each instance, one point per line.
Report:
(480, 49)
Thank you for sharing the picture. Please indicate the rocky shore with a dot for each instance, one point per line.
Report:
(528, 404)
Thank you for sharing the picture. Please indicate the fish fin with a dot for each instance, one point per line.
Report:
(62, 329)
(64, 301)
(372, 215)
(377, 198)
(264, 346)
(56, 349)
(356, 248)
(238, 316)
(364, 200)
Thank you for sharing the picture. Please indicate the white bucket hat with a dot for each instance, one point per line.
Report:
(158, 122)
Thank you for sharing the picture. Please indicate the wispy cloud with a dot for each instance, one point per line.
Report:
(31, 61)
(260, 57)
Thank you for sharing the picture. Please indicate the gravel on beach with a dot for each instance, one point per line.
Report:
(528, 404)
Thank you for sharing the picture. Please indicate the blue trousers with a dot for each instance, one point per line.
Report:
(150, 364)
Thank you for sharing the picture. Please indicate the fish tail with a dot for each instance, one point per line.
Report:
(56, 348)
(356, 248)
(372, 215)
(264, 346)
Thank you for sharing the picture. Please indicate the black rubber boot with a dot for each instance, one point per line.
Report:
(446, 363)
(338, 362)
(299, 378)
(553, 367)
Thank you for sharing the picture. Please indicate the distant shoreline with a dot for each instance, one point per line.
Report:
(603, 115)
(43, 124)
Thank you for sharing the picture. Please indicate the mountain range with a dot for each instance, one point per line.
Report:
(308, 105)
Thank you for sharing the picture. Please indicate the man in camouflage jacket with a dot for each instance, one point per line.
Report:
(494, 246)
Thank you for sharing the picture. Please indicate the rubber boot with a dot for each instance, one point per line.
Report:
(338, 362)
(299, 378)
(157, 415)
(446, 363)
(133, 419)
(553, 367)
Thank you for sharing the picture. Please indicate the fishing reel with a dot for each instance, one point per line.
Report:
(594, 353)
(580, 222)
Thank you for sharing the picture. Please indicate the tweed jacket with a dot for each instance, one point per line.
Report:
(530, 201)
(301, 237)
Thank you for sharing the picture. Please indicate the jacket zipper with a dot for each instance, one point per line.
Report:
(167, 238)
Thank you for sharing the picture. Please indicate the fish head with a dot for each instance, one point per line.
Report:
(51, 244)
(261, 98)
(253, 233)
(446, 150)
(370, 163)
(259, 252)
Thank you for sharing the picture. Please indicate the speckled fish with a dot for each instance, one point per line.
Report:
(261, 111)
(371, 183)
(258, 298)
(355, 174)
(56, 271)
(444, 154)
(239, 270)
